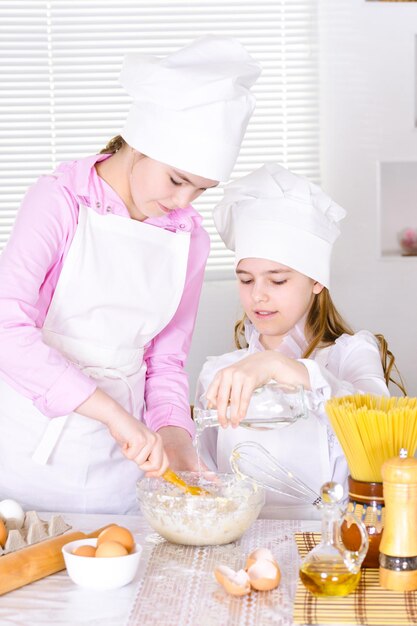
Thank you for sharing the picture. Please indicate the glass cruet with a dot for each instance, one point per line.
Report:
(330, 569)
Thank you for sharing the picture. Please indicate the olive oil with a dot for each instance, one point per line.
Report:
(333, 580)
(331, 569)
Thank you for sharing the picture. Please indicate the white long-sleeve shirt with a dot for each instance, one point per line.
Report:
(308, 448)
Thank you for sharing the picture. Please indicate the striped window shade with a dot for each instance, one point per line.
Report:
(60, 96)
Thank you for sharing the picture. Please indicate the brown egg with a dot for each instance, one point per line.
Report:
(119, 534)
(264, 575)
(235, 583)
(259, 553)
(110, 549)
(85, 550)
(3, 533)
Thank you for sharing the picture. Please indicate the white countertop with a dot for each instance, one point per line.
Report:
(56, 600)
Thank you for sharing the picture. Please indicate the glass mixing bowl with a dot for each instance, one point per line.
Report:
(221, 517)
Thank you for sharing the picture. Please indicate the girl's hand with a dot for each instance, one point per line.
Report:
(138, 443)
(235, 384)
(180, 450)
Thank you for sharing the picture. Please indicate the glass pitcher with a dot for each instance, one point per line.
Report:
(272, 406)
(330, 569)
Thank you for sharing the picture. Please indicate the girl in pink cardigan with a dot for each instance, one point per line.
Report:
(99, 287)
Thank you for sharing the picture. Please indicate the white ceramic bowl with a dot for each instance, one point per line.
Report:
(222, 517)
(102, 572)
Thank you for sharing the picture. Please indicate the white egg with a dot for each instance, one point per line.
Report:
(11, 510)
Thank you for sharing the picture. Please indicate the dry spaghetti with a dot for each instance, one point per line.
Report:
(371, 429)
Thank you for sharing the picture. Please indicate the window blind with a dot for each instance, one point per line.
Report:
(61, 98)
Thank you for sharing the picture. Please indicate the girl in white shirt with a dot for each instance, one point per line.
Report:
(282, 229)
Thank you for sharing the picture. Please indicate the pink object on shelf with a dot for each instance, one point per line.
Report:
(408, 241)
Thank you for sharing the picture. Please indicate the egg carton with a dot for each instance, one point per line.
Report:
(34, 530)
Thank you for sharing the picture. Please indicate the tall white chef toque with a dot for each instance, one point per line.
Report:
(191, 108)
(274, 214)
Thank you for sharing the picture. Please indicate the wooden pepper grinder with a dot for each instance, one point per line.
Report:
(398, 548)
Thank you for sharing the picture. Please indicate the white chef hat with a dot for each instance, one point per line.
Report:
(191, 108)
(274, 214)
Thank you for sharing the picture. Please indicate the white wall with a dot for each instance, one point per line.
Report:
(368, 112)
(218, 312)
(397, 202)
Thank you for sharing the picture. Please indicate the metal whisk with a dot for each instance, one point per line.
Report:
(251, 460)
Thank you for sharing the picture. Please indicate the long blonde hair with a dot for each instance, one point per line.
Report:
(113, 145)
(324, 325)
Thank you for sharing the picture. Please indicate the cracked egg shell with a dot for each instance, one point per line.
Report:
(235, 583)
(264, 575)
(259, 553)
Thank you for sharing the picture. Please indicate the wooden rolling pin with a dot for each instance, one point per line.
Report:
(38, 561)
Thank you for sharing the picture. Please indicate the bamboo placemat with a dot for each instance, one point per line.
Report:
(369, 604)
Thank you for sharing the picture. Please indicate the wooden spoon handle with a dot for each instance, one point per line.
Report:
(174, 479)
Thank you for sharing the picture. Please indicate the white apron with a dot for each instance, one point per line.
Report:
(120, 285)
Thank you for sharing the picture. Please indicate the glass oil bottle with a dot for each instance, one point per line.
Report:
(330, 569)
